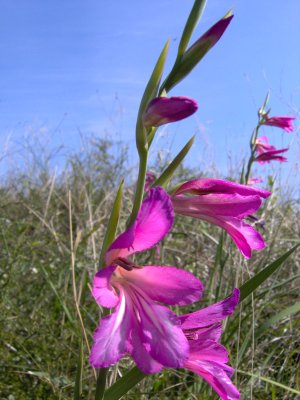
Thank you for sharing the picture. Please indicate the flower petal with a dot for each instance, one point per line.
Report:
(111, 339)
(157, 332)
(154, 221)
(211, 314)
(230, 205)
(168, 285)
(206, 186)
(217, 375)
(207, 350)
(103, 292)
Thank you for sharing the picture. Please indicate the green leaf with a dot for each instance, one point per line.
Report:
(112, 223)
(267, 380)
(78, 379)
(124, 384)
(277, 317)
(248, 287)
(165, 177)
(190, 26)
(149, 93)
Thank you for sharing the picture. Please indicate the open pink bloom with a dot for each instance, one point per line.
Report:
(162, 110)
(286, 123)
(140, 325)
(225, 204)
(208, 358)
(267, 153)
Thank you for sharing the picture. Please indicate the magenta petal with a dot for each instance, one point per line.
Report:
(102, 291)
(154, 221)
(111, 338)
(245, 237)
(206, 186)
(168, 285)
(162, 110)
(211, 314)
(157, 332)
(227, 205)
(208, 350)
(217, 375)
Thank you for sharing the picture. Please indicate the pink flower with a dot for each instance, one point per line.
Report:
(286, 123)
(141, 326)
(162, 110)
(225, 204)
(208, 358)
(267, 153)
(253, 181)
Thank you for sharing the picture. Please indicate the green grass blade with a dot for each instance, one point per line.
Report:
(165, 177)
(278, 317)
(248, 287)
(123, 385)
(78, 379)
(62, 303)
(270, 381)
(112, 223)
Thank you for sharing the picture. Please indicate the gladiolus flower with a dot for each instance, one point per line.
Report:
(286, 123)
(208, 358)
(140, 325)
(162, 110)
(225, 204)
(267, 153)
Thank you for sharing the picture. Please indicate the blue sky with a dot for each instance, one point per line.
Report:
(80, 67)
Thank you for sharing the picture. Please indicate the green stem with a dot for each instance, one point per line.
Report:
(252, 155)
(101, 383)
(139, 192)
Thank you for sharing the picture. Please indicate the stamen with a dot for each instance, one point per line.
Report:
(126, 264)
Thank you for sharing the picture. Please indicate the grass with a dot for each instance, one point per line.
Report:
(52, 227)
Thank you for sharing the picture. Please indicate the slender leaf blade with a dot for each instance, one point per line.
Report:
(165, 177)
(124, 384)
(248, 287)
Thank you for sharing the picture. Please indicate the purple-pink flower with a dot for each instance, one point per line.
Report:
(253, 181)
(162, 110)
(140, 325)
(225, 204)
(286, 123)
(208, 358)
(267, 152)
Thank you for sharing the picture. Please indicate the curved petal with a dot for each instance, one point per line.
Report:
(211, 314)
(217, 375)
(111, 339)
(208, 350)
(206, 186)
(103, 292)
(245, 237)
(167, 285)
(227, 205)
(156, 332)
(153, 222)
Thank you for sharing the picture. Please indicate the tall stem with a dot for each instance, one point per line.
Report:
(252, 155)
(139, 192)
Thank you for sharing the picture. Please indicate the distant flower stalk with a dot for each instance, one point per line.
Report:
(225, 204)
